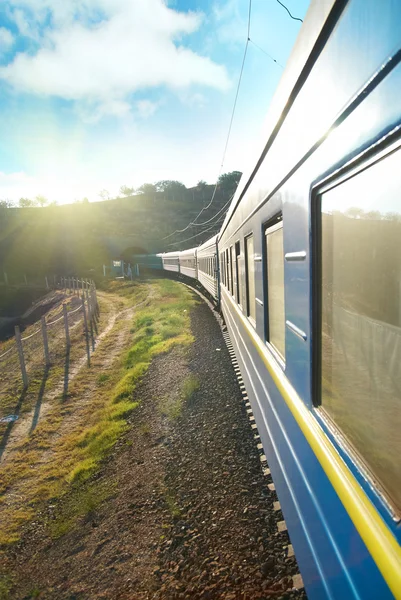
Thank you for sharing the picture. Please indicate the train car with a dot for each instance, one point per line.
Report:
(208, 267)
(188, 266)
(310, 260)
(170, 261)
(147, 261)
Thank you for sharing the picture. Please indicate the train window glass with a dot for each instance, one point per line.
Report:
(232, 271)
(237, 270)
(250, 277)
(275, 287)
(360, 317)
(228, 270)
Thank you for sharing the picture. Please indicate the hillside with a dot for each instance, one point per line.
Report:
(81, 237)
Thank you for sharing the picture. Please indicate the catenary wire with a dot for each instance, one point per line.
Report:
(215, 217)
(229, 130)
(292, 16)
(219, 221)
(267, 54)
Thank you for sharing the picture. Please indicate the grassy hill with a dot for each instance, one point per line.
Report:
(77, 238)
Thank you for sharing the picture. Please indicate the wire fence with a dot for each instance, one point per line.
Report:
(49, 341)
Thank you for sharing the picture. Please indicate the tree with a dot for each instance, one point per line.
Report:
(127, 191)
(229, 181)
(147, 188)
(201, 185)
(26, 203)
(4, 204)
(105, 195)
(41, 200)
(169, 185)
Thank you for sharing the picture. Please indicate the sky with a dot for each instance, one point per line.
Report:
(96, 94)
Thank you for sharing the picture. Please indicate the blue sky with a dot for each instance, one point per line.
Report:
(95, 94)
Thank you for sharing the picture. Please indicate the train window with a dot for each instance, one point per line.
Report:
(228, 270)
(360, 316)
(250, 277)
(232, 271)
(275, 286)
(237, 271)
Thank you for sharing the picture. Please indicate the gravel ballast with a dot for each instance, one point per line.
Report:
(225, 543)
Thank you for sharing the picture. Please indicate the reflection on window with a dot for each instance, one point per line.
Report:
(275, 286)
(361, 316)
(232, 271)
(250, 276)
(238, 272)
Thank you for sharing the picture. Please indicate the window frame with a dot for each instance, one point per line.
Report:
(237, 247)
(232, 256)
(272, 225)
(352, 456)
(247, 310)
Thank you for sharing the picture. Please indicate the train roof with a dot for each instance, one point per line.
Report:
(210, 242)
(289, 86)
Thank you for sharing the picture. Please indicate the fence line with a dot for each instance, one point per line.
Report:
(27, 354)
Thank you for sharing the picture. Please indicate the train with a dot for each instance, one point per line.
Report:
(306, 269)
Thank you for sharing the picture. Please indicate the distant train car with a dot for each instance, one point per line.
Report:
(187, 260)
(170, 261)
(208, 266)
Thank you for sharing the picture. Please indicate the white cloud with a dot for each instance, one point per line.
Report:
(231, 25)
(102, 51)
(6, 39)
(146, 108)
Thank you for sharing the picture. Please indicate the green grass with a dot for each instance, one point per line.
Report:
(78, 505)
(172, 505)
(158, 328)
(77, 454)
(5, 587)
(171, 407)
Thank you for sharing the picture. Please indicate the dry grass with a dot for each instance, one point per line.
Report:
(68, 445)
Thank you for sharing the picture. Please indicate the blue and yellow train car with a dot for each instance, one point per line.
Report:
(310, 256)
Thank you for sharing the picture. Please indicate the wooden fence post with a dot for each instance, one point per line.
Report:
(66, 327)
(88, 305)
(5, 278)
(47, 283)
(86, 329)
(25, 279)
(45, 341)
(21, 356)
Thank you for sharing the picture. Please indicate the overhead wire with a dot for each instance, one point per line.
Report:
(216, 215)
(220, 220)
(229, 130)
(267, 54)
(292, 16)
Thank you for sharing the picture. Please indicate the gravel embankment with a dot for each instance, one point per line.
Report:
(225, 543)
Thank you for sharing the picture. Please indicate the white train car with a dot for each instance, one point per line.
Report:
(187, 260)
(170, 261)
(208, 267)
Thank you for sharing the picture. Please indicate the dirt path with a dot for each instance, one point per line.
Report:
(23, 426)
(187, 513)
